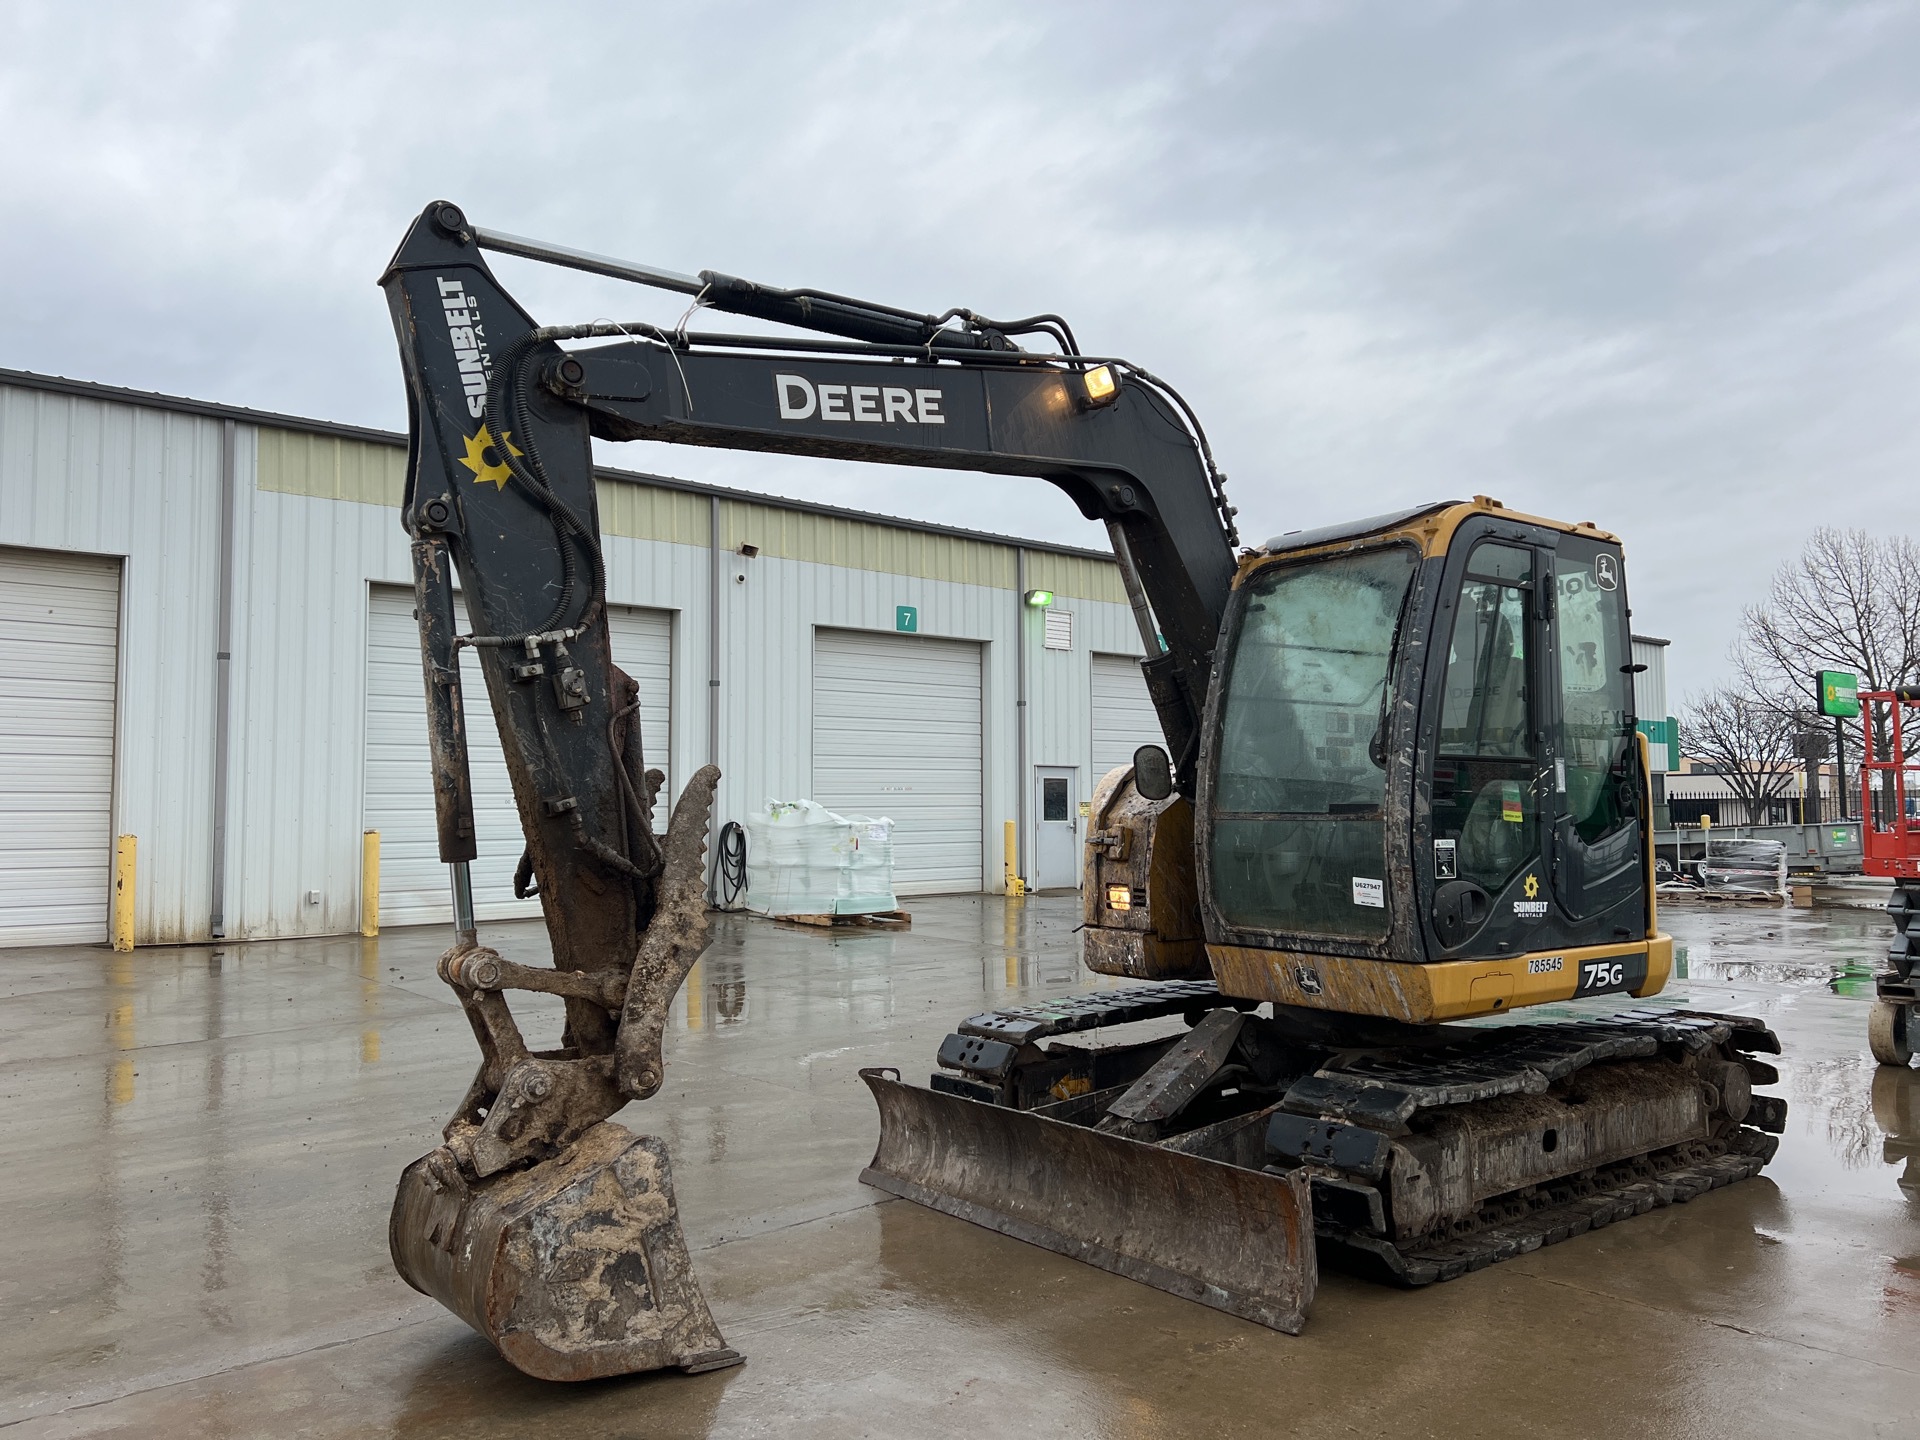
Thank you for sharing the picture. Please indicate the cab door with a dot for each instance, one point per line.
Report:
(1485, 741)
(1598, 837)
(1533, 840)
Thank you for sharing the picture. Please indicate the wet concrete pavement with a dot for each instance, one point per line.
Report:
(200, 1146)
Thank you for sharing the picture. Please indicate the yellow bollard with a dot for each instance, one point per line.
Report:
(120, 926)
(696, 996)
(1015, 885)
(370, 883)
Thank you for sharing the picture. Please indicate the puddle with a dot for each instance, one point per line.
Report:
(1849, 975)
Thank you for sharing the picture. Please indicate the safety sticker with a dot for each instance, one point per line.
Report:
(1372, 893)
(1512, 802)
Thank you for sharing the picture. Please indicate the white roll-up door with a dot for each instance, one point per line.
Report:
(1123, 716)
(399, 781)
(61, 616)
(897, 732)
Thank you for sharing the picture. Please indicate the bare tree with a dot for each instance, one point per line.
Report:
(1749, 740)
(1851, 602)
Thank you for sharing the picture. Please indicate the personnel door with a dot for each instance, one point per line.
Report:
(1056, 830)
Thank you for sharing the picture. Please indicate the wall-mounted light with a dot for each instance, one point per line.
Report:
(1040, 599)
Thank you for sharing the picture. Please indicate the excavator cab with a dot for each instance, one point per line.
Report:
(1423, 792)
(1423, 753)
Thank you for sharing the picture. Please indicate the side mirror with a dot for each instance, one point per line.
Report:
(1152, 772)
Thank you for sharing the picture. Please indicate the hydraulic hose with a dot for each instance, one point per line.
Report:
(729, 866)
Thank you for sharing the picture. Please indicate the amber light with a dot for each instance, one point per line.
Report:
(1102, 384)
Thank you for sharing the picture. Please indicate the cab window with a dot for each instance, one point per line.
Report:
(1299, 841)
(1484, 791)
(1597, 746)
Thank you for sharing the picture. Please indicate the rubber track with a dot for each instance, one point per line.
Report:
(1386, 1091)
(1019, 1024)
(1618, 1192)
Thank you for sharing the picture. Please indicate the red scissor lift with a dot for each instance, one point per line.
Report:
(1890, 846)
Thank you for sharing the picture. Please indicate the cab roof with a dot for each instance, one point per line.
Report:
(1352, 529)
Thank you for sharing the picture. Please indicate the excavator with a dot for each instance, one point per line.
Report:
(1401, 797)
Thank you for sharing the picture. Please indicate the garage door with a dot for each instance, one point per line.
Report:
(61, 617)
(1123, 716)
(896, 732)
(399, 780)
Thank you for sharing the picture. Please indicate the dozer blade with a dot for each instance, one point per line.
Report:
(575, 1268)
(1236, 1239)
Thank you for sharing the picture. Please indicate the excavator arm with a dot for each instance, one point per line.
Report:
(500, 498)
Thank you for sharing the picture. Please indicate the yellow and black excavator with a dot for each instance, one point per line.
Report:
(1402, 795)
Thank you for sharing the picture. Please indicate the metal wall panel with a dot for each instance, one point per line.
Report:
(104, 478)
(331, 467)
(1059, 683)
(865, 545)
(1080, 576)
(1650, 684)
(302, 566)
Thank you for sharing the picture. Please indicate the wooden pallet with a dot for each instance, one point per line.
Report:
(878, 920)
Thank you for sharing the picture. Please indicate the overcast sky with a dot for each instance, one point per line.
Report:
(1655, 266)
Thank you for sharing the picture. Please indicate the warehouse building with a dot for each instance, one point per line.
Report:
(210, 648)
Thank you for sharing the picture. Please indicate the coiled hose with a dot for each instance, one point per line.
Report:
(729, 867)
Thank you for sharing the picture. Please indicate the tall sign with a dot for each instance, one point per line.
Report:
(1840, 698)
(1839, 694)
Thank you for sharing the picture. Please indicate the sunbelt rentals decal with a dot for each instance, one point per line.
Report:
(469, 337)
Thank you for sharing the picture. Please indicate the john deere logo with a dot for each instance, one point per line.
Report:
(1308, 978)
(484, 459)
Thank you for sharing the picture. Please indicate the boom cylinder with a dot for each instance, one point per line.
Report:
(446, 716)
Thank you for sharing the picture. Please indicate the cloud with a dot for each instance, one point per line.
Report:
(1649, 265)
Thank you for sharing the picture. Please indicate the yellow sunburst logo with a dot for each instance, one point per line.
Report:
(1533, 886)
(476, 458)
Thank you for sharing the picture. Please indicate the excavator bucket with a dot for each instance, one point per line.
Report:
(575, 1269)
(1180, 1216)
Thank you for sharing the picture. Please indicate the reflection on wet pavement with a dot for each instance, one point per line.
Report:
(201, 1146)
